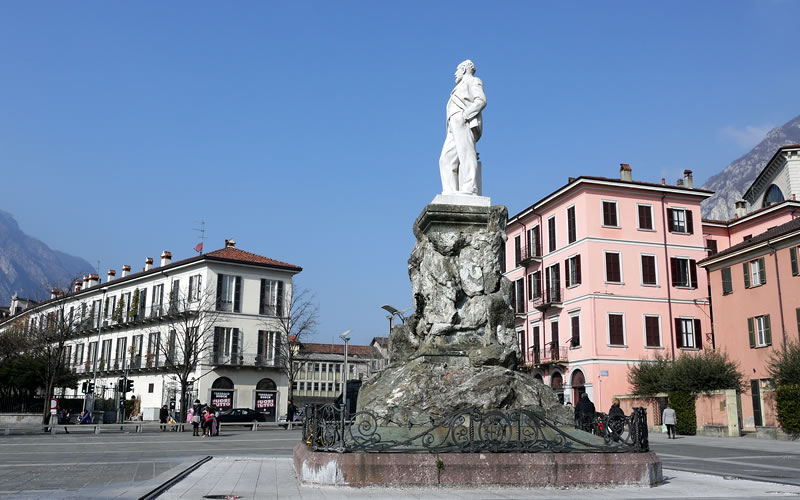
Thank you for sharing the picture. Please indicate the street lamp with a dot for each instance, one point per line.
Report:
(392, 312)
(345, 336)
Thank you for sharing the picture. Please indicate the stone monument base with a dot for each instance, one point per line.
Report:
(476, 469)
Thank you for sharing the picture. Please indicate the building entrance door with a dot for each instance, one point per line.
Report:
(755, 389)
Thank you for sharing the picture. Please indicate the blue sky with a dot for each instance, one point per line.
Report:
(310, 131)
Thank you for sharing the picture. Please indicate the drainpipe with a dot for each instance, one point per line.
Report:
(669, 276)
(780, 294)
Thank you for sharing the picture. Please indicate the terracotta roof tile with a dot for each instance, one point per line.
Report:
(237, 255)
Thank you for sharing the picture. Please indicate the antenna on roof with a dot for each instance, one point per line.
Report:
(202, 231)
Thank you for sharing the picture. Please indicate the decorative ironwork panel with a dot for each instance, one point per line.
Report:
(473, 431)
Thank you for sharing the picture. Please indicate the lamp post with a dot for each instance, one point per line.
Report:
(392, 312)
(345, 336)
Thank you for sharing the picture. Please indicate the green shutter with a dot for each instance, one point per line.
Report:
(767, 331)
(793, 255)
(746, 266)
(751, 329)
(797, 313)
(762, 271)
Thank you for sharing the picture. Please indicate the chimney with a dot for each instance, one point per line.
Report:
(166, 258)
(126, 270)
(687, 179)
(78, 285)
(111, 274)
(94, 279)
(55, 292)
(231, 243)
(663, 181)
(680, 182)
(741, 208)
(148, 263)
(625, 172)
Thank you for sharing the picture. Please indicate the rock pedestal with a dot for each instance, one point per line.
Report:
(458, 349)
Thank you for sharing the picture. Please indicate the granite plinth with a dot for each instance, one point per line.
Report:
(476, 469)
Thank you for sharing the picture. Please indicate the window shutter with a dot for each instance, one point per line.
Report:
(746, 267)
(674, 271)
(797, 313)
(578, 269)
(670, 221)
(547, 284)
(567, 273)
(693, 272)
(767, 331)
(678, 333)
(260, 347)
(752, 331)
(517, 250)
(218, 332)
(698, 334)
(530, 286)
(237, 296)
(262, 296)
(793, 255)
(219, 291)
(235, 345)
(689, 222)
(762, 271)
(279, 301)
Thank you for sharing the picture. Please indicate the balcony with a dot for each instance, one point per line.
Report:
(551, 297)
(244, 359)
(553, 354)
(530, 254)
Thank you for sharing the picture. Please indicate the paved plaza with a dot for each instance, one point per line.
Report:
(258, 465)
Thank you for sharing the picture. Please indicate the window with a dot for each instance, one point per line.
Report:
(316, 386)
(122, 348)
(645, 217)
(680, 220)
(267, 346)
(616, 329)
(684, 272)
(534, 242)
(174, 295)
(536, 343)
(519, 296)
(227, 345)
(151, 388)
(613, 268)
(554, 340)
(553, 278)
(324, 367)
(68, 355)
(571, 231)
(610, 214)
(551, 233)
(92, 353)
(79, 354)
(534, 285)
(302, 386)
(759, 329)
(649, 276)
(793, 258)
(126, 305)
(711, 246)
(521, 344)
(96, 313)
(652, 331)
(271, 302)
(316, 367)
(105, 352)
(727, 281)
(573, 268)
(575, 324)
(194, 287)
(338, 386)
(687, 333)
(754, 273)
(337, 367)
(229, 292)
(330, 386)
(171, 346)
(142, 303)
(517, 250)
(158, 300)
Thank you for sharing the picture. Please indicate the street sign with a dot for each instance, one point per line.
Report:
(53, 403)
(604, 373)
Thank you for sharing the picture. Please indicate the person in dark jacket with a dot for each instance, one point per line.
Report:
(197, 415)
(63, 419)
(290, 411)
(584, 413)
(163, 415)
(616, 420)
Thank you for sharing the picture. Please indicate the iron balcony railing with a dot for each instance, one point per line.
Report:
(552, 353)
(244, 359)
(529, 254)
(552, 296)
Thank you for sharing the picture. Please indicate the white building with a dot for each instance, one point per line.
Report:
(244, 295)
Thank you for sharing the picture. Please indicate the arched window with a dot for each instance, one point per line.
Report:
(222, 383)
(266, 384)
(538, 377)
(556, 381)
(578, 383)
(774, 195)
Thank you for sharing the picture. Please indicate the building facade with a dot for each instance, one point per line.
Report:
(137, 326)
(604, 274)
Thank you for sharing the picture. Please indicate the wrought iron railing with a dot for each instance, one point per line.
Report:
(552, 353)
(471, 431)
(244, 359)
(549, 297)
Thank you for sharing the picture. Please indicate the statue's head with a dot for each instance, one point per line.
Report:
(464, 68)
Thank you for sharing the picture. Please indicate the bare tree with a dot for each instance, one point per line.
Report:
(296, 324)
(189, 336)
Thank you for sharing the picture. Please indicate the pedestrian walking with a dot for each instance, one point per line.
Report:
(584, 414)
(290, 411)
(669, 418)
(197, 415)
(163, 416)
(189, 417)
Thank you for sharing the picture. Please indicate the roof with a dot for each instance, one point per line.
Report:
(352, 350)
(789, 227)
(764, 169)
(381, 341)
(573, 181)
(755, 213)
(236, 255)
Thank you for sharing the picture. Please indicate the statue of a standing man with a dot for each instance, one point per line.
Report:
(458, 163)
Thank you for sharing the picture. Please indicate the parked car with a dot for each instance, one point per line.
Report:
(298, 419)
(241, 415)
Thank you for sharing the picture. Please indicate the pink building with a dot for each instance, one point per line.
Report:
(604, 274)
(755, 279)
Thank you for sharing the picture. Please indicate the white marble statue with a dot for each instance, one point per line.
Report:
(458, 163)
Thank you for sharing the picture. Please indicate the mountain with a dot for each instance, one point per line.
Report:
(28, 266)
(730, 184)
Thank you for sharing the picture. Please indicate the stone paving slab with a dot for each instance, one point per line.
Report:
(274, 477)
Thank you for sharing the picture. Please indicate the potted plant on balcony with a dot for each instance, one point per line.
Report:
(116, 316)
(101, 365)
(149, 359)
(134, 310)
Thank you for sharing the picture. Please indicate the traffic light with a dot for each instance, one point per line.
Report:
(129, 386)
(83, 387)
(90, 388)
(120, 384)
